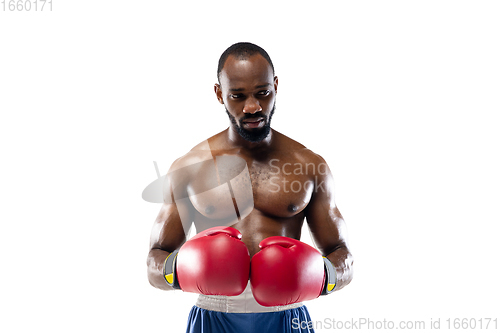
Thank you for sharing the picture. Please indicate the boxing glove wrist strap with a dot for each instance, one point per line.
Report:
(330, 277)
(169, 270)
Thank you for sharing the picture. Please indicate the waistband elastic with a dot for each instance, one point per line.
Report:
(243, 303)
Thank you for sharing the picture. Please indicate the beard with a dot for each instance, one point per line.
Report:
(256, 134)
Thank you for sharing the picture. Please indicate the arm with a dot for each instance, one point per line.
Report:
(167, 235)
(169, 230)
(328, 228)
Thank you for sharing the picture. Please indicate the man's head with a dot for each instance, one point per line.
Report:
(247, 87)
(242, 51)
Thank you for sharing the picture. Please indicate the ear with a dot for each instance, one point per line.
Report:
(218, 93)
(276, 84)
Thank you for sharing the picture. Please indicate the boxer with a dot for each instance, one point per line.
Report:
(247, 190)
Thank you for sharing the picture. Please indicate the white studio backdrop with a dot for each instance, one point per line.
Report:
(400, 98)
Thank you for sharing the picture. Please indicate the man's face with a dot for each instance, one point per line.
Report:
(248, 91)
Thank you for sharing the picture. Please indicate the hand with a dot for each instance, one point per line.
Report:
(286, 271)
(214, 262)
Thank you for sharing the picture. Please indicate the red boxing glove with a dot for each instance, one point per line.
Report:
(286, 271)
(214, 262)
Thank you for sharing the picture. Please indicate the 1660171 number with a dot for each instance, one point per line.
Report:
(26, 5)
(472, 323)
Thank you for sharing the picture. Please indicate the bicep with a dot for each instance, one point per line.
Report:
(175, 216)
(327, 228)
(324, 219)
(170, 227)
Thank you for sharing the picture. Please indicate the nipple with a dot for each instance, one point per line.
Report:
(210, 210)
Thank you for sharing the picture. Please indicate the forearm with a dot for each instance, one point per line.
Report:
(156, 259)
(343, 261)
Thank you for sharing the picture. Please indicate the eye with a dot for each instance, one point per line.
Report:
(264, 92)
(235, 96)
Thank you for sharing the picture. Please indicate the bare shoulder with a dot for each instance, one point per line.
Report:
(186, 167)
(199, 153)
(299, 151)
(285, 143)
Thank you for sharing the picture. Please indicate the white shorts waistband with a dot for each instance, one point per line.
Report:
(243, 303)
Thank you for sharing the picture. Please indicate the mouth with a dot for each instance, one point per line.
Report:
(253, 122)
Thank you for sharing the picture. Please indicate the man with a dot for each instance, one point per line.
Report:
(248, 190)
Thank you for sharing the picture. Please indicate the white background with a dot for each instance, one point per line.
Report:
(400, 97)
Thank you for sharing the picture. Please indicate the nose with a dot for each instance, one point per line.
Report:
(252, 106)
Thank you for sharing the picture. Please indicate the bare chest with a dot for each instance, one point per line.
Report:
(279, 189)
(232, 189)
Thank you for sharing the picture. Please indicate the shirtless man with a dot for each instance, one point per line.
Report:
(253, 183)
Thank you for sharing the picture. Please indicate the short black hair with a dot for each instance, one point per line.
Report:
(242, 50)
